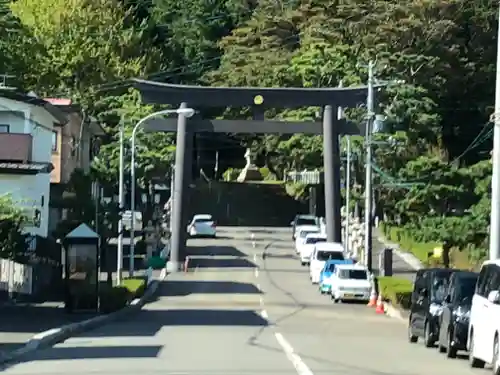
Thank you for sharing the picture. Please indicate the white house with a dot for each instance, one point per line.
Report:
(26, 143)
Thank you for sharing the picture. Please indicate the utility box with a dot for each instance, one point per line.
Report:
(386, 266)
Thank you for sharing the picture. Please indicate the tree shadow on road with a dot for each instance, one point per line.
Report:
(226, 251)
(187, 287)
(221, 263)
(96, 352)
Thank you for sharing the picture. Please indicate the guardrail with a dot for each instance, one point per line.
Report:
(305, 177)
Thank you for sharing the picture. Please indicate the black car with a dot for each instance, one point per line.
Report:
(454, 320)
(429, 292)
(302, 220)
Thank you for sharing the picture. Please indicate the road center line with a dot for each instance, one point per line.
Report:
(297, 362)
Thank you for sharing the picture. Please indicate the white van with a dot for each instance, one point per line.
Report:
(301, 234)
(306, 248)
(322, 252)
(484, 322)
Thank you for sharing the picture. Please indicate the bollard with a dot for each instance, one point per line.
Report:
(253, 239)
(186, 264)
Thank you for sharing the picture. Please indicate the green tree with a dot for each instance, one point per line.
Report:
(12, 240)
(84, 44)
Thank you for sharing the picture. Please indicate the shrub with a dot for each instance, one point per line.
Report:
(114, 298)
(136, 286)
(396, 290)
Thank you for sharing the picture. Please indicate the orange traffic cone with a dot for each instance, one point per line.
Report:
(380, 306)
(373, 298)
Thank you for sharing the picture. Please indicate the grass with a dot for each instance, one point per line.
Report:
(458, 259)
(407, 243)
(135, 285)
(396, 290)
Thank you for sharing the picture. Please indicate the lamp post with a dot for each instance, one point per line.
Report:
(181, 112)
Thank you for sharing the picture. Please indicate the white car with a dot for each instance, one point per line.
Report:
(322, 252)
(306, 248)
(301, 234)
(484, 323)
(202, 225)
(350, 282)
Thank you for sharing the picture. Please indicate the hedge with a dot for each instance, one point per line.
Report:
(114, 298)
(395, 290)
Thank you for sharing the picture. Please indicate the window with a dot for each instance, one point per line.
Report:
(493, 282)
(4, 128)
(483, 280)
(74, 146)
(304, 233)
(326, 255)
(303, 221)
(353, 274)
(54, 140)
(314, 240)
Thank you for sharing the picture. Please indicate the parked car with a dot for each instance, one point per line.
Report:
(350, 282)
(454, 320)
(301, 220)
(324, 251)
(429, 292)
(325, 279)
(484, 328)
(202, 225)
(306, 248)
(302, 233)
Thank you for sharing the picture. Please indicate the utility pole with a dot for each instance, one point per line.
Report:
(119, 253)
(368, 165)
(172, 185)
(495, 180)
(347, 192)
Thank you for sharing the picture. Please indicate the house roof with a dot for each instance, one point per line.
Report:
(32, 99)
(68, 105)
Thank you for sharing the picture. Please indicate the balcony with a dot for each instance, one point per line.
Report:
(15, 147)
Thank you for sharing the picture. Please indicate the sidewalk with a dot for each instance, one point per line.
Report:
(20, 321)
(404, 264)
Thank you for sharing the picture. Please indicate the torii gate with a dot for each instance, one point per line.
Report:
(259, 99)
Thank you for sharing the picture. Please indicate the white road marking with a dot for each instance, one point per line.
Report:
(297, 362)
(255, 258)
(263, 313)
(256, 272)
(261, 300)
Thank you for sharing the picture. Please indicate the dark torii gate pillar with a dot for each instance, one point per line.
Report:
(260, 98)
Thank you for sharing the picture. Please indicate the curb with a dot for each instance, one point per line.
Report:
(393, 312)
(56, 335)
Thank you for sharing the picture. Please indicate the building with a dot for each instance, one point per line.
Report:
(71, 149)
(27, 125)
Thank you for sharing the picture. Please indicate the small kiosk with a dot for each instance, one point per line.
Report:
(81, 269)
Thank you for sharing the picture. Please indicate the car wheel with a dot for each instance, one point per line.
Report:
(411, 337)
(473, 361)
(451, 351)
(495, 365)
(428, 341)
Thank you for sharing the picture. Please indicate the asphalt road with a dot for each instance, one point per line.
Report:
(239, 312)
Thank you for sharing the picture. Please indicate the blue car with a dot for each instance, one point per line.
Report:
(325, 276)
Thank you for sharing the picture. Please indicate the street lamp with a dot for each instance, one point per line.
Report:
(181, 112)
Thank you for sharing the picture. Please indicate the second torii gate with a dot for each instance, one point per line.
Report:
(259, 99)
